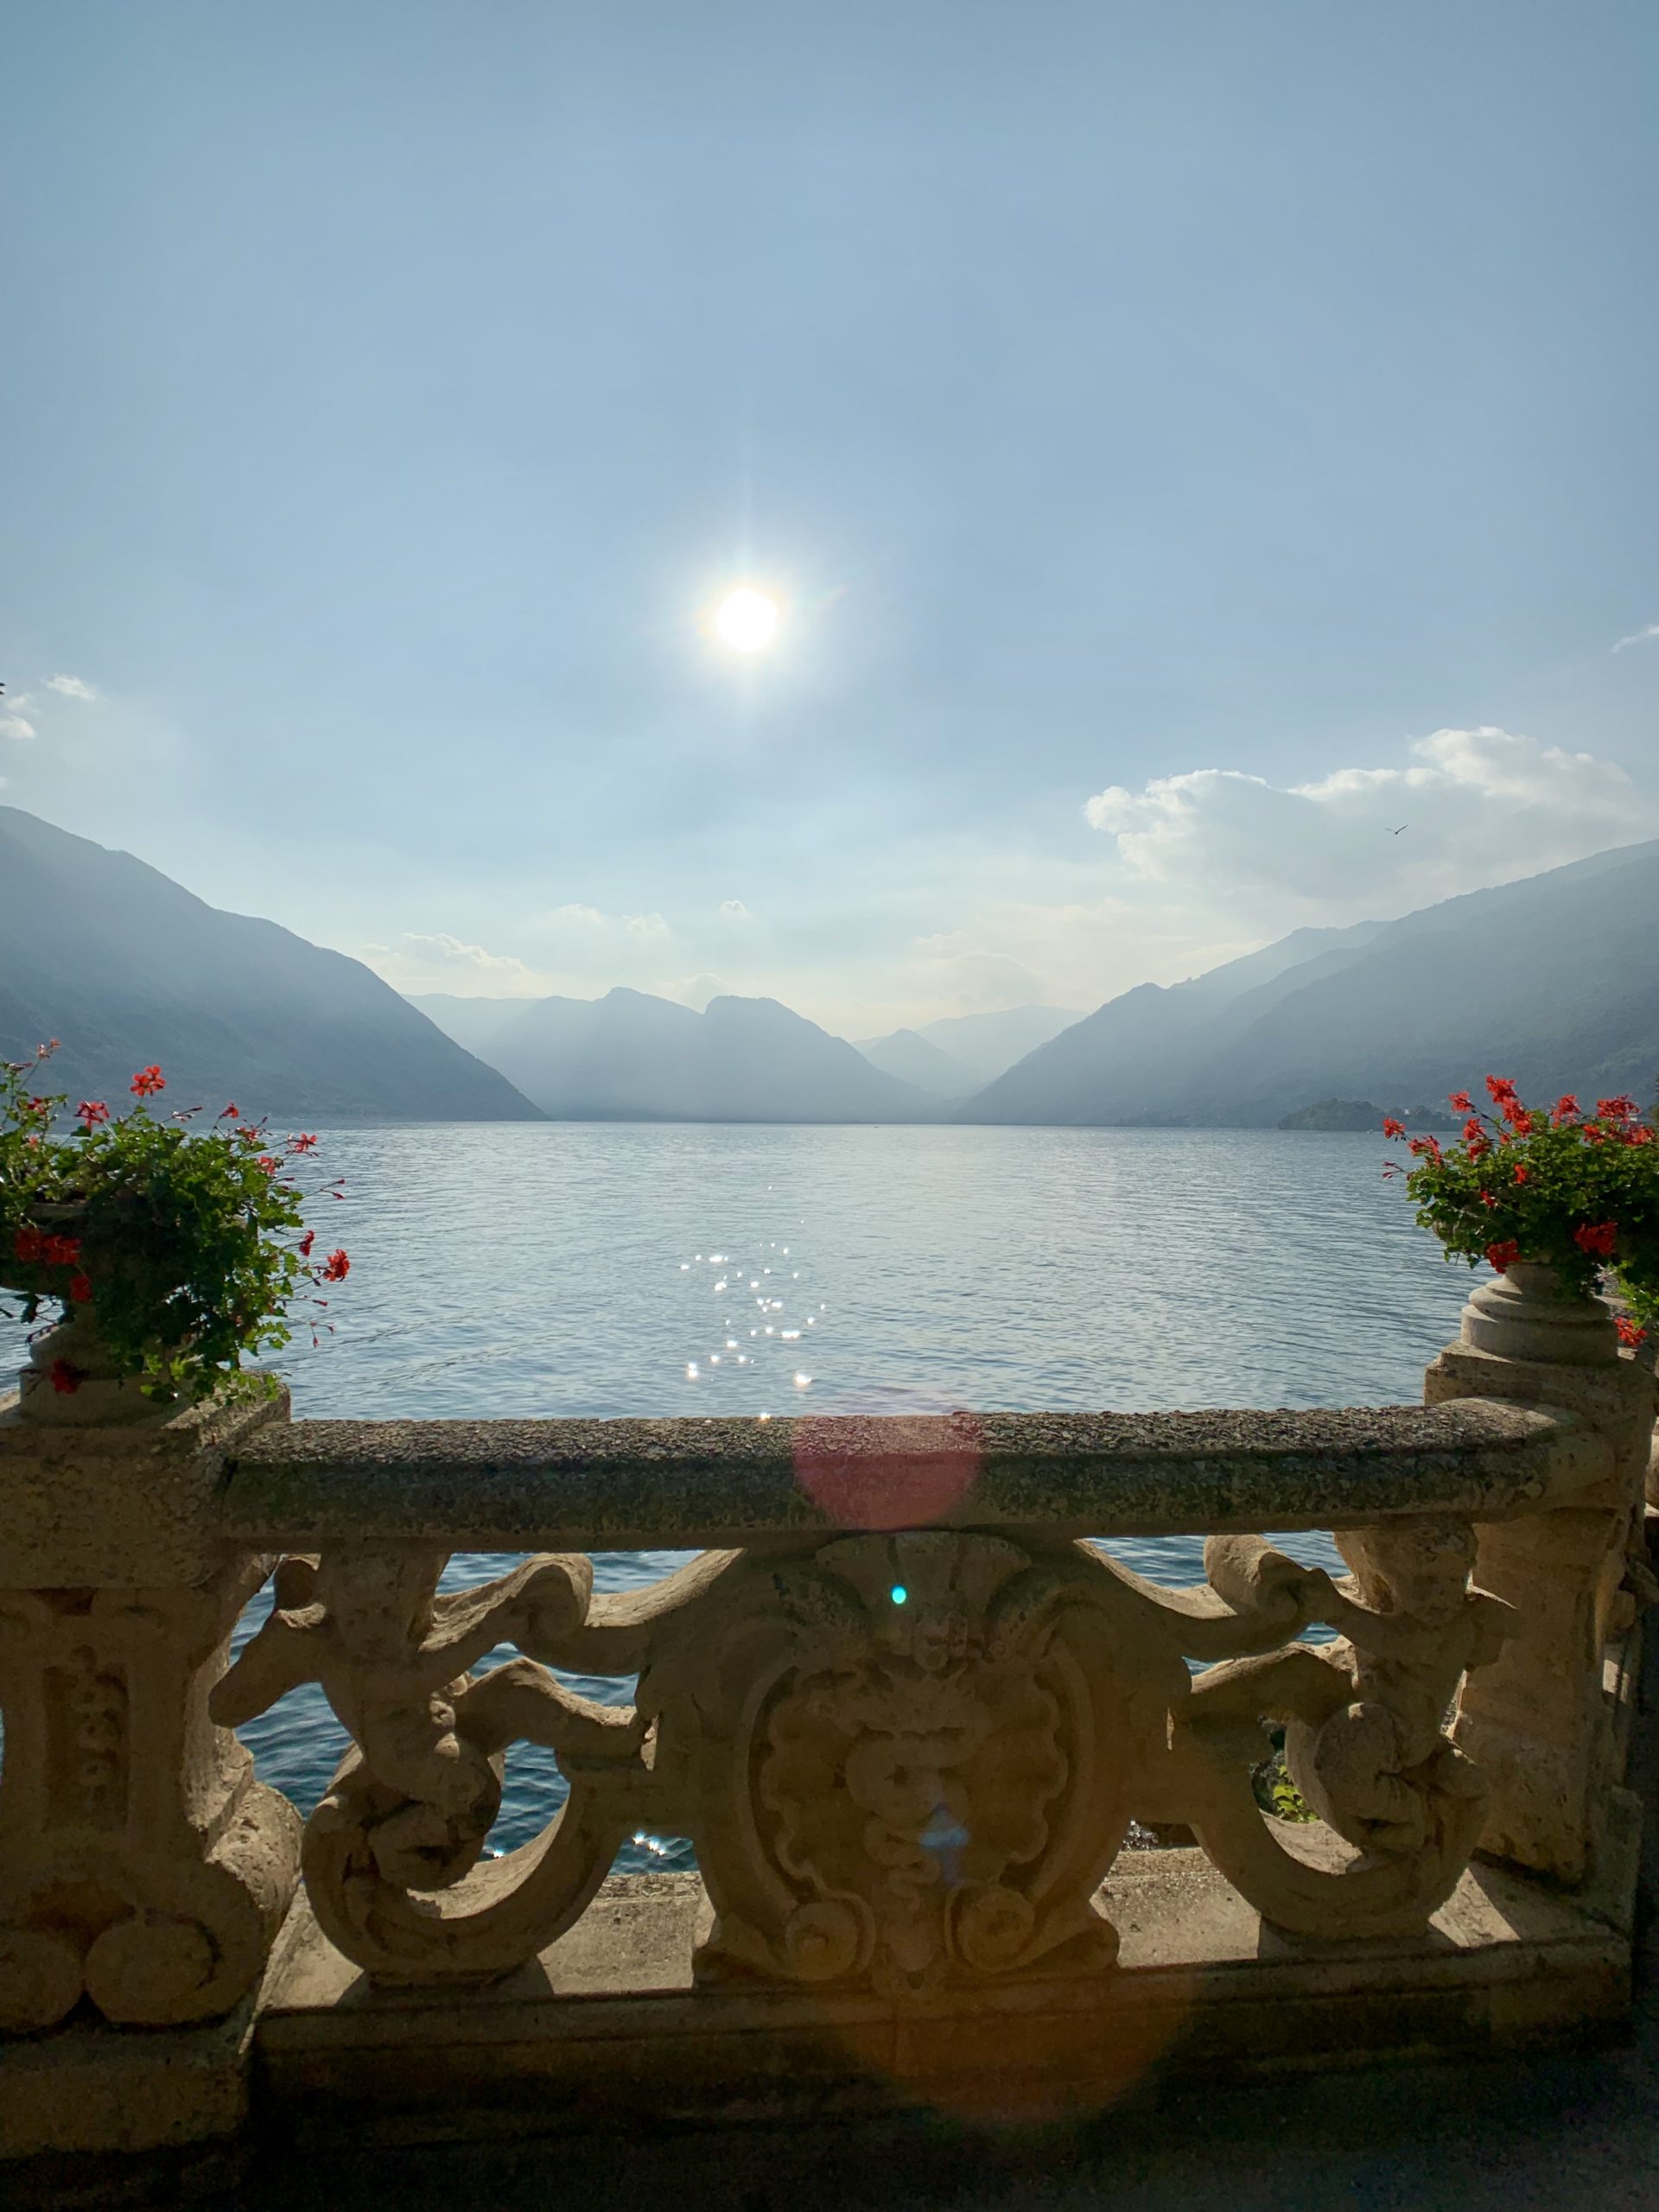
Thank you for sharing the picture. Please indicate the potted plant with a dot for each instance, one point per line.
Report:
(1560, 1202)
(173, 1251)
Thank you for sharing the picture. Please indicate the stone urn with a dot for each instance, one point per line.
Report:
(100, 1398)
(1528, 1313)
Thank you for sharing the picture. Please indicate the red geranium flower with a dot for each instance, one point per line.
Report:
(306, 1243)
(60, 1251)
(1502, 1255)
(336, 1268)
(1598, 1237)
(301, 1143)
(80, 1288)
(267, 1164)
(229, 1115)
(28, 1244)
(1472, 1130)
(1520, 1173)
(92, 1111)
(1628, 1331)
(1461, 1102)
(1564, 1108)
(1615, 1109)
(1391, 1127)
(1500, 1087)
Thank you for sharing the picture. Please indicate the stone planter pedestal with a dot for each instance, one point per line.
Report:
(1547, 1719)
(143, 1872)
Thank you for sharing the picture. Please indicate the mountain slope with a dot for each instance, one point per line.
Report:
(630, 1056)
(1547, 980)
(128, 968)
(989, 1043)
(913, 1059)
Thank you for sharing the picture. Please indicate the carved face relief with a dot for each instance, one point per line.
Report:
(910, 1776)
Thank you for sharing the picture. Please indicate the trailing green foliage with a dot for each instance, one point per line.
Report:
(1564, 1189)
(189, 1246)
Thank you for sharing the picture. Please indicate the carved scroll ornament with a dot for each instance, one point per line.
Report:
(906, 1761)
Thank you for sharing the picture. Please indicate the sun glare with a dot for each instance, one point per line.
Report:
(746, 619)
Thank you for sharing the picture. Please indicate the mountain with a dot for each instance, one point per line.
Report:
(474, 1023)
(127, 967)
(630, 1056)
(1547, 980)
(914, 1058)
(988, 1043)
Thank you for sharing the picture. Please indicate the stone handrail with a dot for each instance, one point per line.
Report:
(905, 1703)
(657, 1485)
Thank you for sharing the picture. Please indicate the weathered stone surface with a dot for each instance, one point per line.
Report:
(586, 1486)
(120, 1508)
(611, 2014)
(93, 2089)
(1539, 1722)
(142, 1867)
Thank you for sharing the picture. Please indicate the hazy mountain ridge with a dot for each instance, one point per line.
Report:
(126, 966)
(1546, 980)
(630, 1056)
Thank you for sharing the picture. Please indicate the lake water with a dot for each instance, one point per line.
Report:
(599, 1269)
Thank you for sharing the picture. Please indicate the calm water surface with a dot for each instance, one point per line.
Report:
(601, 1269)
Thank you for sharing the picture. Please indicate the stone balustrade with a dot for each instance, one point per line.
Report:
(904, 1699)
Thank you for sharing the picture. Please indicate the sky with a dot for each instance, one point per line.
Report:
(1184, 443)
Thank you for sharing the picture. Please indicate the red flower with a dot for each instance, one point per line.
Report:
(336, 1268)
(60, 1251)
(28, 1244)
(266, 1164)
(1392, 1127)
(1598, 1237)
(1487, 1199)
(229, 1115)
(80, 1288)
(306, 1243)
(92, 1111)
(1519, 1120)
(1521, 1174)
(1421, 1145)
(1502, 1255)
(1461, 1102)
(1501, 1088)
(1472, 1131)
(1564, 1108)
(1615, 1109)
(1628, 1331)
(1639, 1133)
(66, 1380)
(148, 1081)
(301, 1143)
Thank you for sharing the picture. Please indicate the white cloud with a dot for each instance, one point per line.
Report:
(1638, 636)
(734, 910)
(587, 918)
(1471, 807)
(71, 687)
(16, 725)
(647, 925)
(435, 961)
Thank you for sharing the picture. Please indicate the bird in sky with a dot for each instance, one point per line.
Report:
(1395, 833)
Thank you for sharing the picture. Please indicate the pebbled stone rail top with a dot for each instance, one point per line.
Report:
(693, 1482)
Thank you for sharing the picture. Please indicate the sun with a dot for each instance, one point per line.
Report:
(746, 619)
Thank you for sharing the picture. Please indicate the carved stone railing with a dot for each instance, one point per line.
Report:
(904, 1701)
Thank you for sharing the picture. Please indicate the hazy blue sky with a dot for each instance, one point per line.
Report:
(1188, 439)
